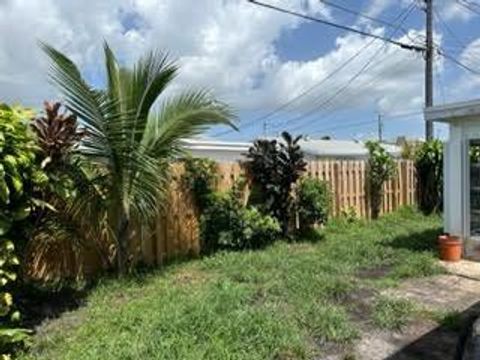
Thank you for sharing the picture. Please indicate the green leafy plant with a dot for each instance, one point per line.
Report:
(199, 178)
(128, 146)
(392, 313)
(274, 167)
(429, 170)
(21, 178)
(314, 202)
(349, 214)
(228, 225)
(381, 168)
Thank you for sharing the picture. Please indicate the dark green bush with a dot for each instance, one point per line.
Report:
(314, 201)
(227, 225)
(274, 168)
(429, 166)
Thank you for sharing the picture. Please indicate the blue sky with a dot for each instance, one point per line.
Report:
(256, 59)
(311, 40)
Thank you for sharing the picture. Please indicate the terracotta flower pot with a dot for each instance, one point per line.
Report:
(450, 248)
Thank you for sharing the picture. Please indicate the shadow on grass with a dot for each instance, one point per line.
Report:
(420, 241)
(442, 343)
(38, 302)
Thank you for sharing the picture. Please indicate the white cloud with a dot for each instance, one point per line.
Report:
(451, 11)
(226, 45)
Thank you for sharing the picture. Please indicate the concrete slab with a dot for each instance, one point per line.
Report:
(458, 290)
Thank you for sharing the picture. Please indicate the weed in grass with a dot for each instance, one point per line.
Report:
(392, 313)
(328, 322)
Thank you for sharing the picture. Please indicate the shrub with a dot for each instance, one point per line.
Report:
(429, 167)
(199, 178)
(274, 168)
(227, 225)
(314, 201)
(20, 179)
(381, 167)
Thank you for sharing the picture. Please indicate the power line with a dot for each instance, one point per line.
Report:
(315, 109)
(338, 26)
(348, 126)
(362, 123)
(449, 29)
(373, 81)
(468, 6)
(458, 62)
(404, 14)
(368, 17)
(304, 93)
(360, 14)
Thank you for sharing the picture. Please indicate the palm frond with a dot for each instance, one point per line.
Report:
(90, 106)
(184, 116)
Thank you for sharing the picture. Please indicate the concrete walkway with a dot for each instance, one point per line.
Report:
(459, 290)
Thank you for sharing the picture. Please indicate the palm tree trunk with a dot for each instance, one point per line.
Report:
(121, 235)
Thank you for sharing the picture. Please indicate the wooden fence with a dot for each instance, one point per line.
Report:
(176, 233)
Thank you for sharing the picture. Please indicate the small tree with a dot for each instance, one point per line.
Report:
(381, 168)
(429, 167)
(128, 144)
(274, 168)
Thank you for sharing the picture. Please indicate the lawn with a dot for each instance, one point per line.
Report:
(289, 301)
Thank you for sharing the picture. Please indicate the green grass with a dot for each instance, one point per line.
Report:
(285, 302)
(393, 314)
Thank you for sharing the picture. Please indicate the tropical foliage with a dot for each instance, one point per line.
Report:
(199, 178)
(429, 167)
(20, 180)
(227, 224)
(73, 217)
(275, 166)
(56, 133)
(314, 202)
(128, 146)
(381, 168)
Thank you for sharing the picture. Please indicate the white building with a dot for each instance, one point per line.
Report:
(224, 151)
(461, 172)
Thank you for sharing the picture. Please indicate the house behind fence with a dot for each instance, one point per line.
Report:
(176, 233)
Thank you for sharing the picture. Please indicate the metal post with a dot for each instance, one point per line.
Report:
(429, 66)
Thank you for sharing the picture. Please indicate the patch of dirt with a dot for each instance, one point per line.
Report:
(374, 273)
(359, 305)
(190, 277)
(331, 351)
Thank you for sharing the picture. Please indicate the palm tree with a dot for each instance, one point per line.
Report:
(128, 143)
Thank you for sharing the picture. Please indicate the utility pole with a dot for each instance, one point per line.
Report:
(265, 128)
(429, 66)
(380, 128)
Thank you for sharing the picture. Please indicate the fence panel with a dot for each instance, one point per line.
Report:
(176, 232)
